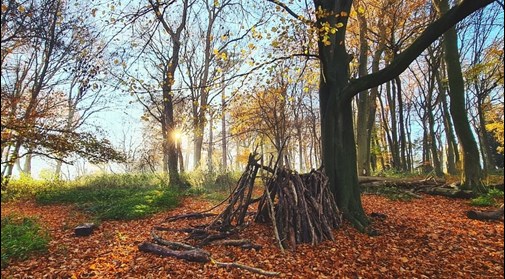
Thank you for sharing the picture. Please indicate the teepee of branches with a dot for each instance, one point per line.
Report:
(300, 207)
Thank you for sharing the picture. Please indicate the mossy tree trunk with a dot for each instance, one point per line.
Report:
(337, 90)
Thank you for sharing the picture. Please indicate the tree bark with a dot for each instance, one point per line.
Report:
(363, 100)
(486, 215)
(224, 140)
(452, 146)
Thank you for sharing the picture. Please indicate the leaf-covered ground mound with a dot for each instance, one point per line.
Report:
(429, 237)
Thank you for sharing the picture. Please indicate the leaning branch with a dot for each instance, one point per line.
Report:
(403, 60)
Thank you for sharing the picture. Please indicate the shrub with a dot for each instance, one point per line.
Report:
(21, 237)
(25, 187)
(491, 198)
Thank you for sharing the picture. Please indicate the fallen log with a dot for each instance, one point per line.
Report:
(449, 192)
(195, 255)
(485, 215)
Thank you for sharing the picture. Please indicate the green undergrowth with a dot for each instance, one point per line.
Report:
(25, 187)
(214, 187)
(114, 197)
(492, 198)
(121, 196)
(22, 237)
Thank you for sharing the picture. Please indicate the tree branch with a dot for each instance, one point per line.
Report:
(403, 60)
(291, 12)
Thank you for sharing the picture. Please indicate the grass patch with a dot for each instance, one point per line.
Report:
(492, 198)
(25, 187)
(114, 197)
(21, 237)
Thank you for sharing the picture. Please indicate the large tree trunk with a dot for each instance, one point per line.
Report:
(339, 151)
(339, 165)
(336, 92)
(472, 172)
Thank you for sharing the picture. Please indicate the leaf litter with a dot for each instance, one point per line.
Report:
(429, 237)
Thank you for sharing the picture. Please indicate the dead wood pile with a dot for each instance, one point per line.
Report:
(300, 207)
(305, 210)
(429, 185)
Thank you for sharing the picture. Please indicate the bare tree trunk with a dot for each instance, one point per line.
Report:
(210, 151)
(452, 146)
(403, 140)
(224, 157)
(181, 158)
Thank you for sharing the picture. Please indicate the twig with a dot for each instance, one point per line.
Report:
(248, 268)
(190, 216)
(171, 244)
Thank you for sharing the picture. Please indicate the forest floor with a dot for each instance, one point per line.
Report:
(423, 238)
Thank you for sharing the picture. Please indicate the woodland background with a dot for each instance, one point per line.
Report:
(119, 113)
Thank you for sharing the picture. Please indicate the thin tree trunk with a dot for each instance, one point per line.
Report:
(224, 157)
(403, 140)
(432, 141)
(210, 151)
(363, 100)
(452, 146)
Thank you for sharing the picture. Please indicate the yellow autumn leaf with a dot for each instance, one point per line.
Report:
(21, 9)
(340, 25)
(361, 10)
